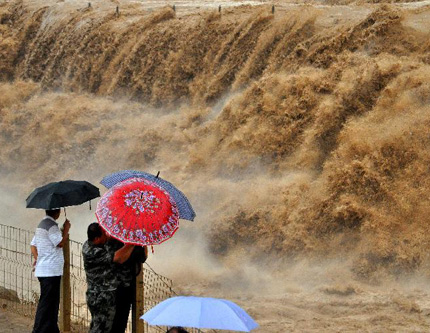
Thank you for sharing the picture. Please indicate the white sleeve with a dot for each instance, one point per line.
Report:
(33, 241)
(55, 235)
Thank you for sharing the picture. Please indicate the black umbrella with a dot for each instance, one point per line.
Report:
(62, 194)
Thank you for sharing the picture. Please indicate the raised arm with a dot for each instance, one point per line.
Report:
(123, 254)
(66, 228)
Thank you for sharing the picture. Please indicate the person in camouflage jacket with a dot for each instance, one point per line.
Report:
(99, 259)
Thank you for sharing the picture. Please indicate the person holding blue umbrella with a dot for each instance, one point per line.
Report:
(127, 272)
(99, 263)
(176, 329)
(200, 312)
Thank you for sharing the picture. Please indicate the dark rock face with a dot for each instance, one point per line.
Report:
(8, 294)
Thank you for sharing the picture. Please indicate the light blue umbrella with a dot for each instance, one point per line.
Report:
(186, 212)
(200, 312)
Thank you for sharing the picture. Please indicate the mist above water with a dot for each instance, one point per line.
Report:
(299, 136)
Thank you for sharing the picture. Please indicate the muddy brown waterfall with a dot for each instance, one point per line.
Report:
(299, 136)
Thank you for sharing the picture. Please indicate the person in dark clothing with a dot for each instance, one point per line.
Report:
(126, 290)
(99, 262)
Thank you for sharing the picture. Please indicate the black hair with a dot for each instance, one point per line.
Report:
(94, 231)
(52, 212)
(176, 330)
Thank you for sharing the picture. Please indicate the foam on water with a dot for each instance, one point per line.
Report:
(299, 138)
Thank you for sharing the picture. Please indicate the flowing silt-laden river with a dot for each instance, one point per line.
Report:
(301, 137)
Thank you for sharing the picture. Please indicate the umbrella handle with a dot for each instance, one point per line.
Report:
(65, 214)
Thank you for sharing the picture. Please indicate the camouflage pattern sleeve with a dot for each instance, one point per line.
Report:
(99, 267)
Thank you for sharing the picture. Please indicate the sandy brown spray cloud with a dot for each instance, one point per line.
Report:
(296, 135)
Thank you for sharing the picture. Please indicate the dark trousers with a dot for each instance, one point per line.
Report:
(49, 302)
(124, 299)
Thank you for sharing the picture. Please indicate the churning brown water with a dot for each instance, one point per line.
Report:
(301, 138)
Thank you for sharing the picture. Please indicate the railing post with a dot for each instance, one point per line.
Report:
(137, 312)
(66, 294)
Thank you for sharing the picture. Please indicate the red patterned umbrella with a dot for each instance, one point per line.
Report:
(138, 211)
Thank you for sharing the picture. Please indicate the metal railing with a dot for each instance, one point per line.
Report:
(19, 288)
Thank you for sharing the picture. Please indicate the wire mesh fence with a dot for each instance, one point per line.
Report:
(80, 314)
(19, 288)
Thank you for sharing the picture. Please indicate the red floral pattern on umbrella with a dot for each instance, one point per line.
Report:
(138, 211)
